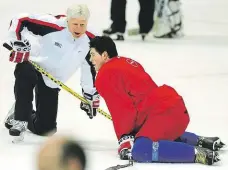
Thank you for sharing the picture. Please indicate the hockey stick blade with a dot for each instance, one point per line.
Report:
(120, 166)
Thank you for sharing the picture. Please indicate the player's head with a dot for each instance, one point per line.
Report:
(77, 19)
(61, 153)
(102, 48)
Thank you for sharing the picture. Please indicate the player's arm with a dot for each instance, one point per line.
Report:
(88, 74)
(120, 105)
(113, 89)
(36, 24)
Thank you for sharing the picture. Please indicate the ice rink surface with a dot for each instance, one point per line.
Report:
(196, 65)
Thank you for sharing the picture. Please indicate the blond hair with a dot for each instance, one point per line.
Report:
(78, 10)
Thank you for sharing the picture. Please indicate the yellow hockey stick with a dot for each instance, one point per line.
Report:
(63, 86)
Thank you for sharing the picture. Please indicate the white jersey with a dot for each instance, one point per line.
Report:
(57, 51)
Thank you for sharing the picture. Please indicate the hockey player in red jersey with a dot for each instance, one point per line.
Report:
(148, 119)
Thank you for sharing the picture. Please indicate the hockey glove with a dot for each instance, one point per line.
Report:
(126, 143)
(21, 51)
(93, 104)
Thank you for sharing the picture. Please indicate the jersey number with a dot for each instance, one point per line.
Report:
(132, 62)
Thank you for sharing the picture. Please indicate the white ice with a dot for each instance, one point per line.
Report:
(196, 65)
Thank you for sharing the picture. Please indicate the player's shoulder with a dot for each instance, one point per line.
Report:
(112, 66)
(106, 72)
(91, 32)
(59, 34)
(59, 20)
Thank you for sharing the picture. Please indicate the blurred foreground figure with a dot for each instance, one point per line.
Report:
(61, 153)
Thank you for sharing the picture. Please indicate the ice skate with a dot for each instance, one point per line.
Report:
(17, 131)
(111, 31)
(213, 143)
(125, 154)
(9, 120)
(143, 35)
(206, 156)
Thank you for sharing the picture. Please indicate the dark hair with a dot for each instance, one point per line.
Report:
(72, 150)
(104, 43)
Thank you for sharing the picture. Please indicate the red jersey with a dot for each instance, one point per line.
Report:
(131, 94)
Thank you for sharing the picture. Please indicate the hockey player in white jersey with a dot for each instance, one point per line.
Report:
(63, 47)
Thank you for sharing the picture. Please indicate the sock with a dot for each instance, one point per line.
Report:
(189, 138)
(145, 150)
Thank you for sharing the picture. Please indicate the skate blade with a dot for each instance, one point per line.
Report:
(216, 157)
(133, 31)
(218, 145)
(223, 144)
(18, 139)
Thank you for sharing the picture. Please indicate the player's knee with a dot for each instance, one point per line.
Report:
(25, 71)
(142, 150)
(41, 130)
(45, 131)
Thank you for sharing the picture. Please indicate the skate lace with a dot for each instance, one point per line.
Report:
(12, 121)
(200, 141)
(19, 125)
(201, 158)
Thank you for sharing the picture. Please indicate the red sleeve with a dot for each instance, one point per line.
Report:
(111, 86)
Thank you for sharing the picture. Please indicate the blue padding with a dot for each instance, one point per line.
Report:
(145, 150)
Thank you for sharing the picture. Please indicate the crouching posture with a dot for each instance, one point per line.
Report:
(149, 120)
(62, 48)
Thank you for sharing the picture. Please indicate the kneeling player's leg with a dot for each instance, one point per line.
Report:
(145, 150)
(189, 138)
(25, 81)
(213, 143)
(166, 126)
(43, 120)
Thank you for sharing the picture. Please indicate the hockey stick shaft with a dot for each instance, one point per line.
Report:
(63, 86)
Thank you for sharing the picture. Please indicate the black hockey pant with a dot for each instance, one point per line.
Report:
(43, 120)
(145, 18)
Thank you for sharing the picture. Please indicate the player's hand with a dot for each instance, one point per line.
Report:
(93, 104)
(20, 52)
(126, 143)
